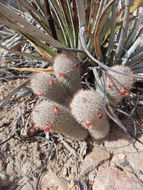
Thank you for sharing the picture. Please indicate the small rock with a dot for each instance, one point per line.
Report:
(136, 161)
(118, 159)
(29, 186)
(1, 165)
(112, 178)
(3, 180)
(93, 159)
(9, 168)
(51, 180)
(24, 132)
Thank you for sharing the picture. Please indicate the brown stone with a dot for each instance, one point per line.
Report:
(93, 159)
(136, 161)
(112, 178)
(51, 180)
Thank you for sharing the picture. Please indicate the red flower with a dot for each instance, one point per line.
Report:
(80, 90)
(61, 73)
(39, 94)
(123, 92)
(89, 124)
(106, 74)
(36, 127)
(47, 128)
(52, 82)
(69, 105)
(100, 116)
(56, 109)
(110, 85)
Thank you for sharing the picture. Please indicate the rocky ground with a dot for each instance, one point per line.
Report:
(61, 163)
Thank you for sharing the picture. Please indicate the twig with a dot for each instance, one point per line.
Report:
(13, 78)
(44, 164)
(68, 147)
(11, 136)
(5, 100)
(23, 54)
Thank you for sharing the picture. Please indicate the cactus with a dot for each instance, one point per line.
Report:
(118, 85)
(52, 116)
(66, 69)
(44, 84)
(87, 108)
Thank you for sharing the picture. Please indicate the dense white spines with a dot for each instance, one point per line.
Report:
(118, 85)
(44, 84)
(87, 108)
(52, 116)
(66, 70)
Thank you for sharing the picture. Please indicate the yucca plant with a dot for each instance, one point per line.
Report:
(102, 33)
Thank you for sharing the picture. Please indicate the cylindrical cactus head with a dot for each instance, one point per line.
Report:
(87, 108)
(66, 69)
(101, 130)
(118, 85)
(49, 115)
(44, 84)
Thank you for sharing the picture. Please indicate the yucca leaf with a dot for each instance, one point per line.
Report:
(124, 31)
(28, 55)
(100, 8)
(70, 10)
(92, 22)
(11, 19)
(135, 59)
(98, 29)
(50, 20)
(42, 52)
(135, 5)
(132, 49)
(112, 34)
(59, 22)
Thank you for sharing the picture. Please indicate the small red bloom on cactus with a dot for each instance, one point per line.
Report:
(80, 90)
(39, 94)
(69, 106)
(61, 73)
(106, 74)
(36, 127)
(76, 65)
(80, 120)
(100, 116)
(89, 124)
(52, 82)
(57, 110)
(47, 128)
(123, 92)
(110, 85)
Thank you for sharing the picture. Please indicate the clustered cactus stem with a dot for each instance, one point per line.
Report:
(118, 85)
(53, 117)
(44, 84)
(87, 108)
(67, 71)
